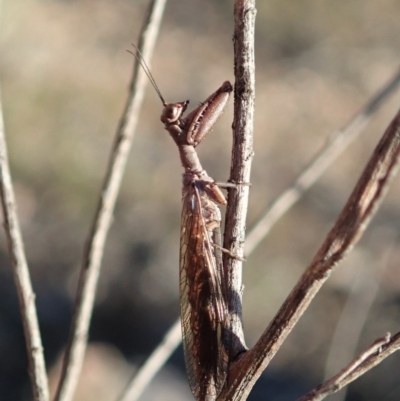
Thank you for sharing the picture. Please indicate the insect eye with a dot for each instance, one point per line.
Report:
(171, 113)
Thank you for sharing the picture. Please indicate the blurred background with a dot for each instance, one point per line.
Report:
(65, 71)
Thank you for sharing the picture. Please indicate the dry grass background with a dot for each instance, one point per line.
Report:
(65, 72)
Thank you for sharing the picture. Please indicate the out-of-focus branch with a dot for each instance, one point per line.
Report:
(73, 359)
(349, 227)
(242, 156)
(22, 280)
(153, 364)
(338, 142)
(360, 299)
(372, 356)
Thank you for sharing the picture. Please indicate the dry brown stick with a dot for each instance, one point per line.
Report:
(242, 156)
(337, 143)
(73, 359)
(372, 356)
(22, 280)
(350, 225)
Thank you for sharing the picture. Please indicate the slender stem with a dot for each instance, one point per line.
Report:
(347, 230)
(372, 356)
(153, 364)
(73, 359)
(242, 156)
(22, 280)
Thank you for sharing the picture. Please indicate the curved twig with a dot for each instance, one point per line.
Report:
(73, 359)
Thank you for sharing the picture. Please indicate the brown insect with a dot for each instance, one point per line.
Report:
(202, 294)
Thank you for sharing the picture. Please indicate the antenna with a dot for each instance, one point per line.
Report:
(139, 57)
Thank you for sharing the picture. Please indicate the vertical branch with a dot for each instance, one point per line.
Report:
(26, 296)
(242, 155)
(73, 359)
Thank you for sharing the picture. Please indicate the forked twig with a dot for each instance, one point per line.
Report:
(372, 356)
(73, 359)
(22, 280)
(349, 227)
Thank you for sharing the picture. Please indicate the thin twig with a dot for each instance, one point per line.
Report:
(22, 280)
(73, 359)
(153, 364)
(336, 144)
(372, 356)
(242, 156)
(375, 347)
(350, 225)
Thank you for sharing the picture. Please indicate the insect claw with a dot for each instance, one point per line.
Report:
(232, 184)
(232, 255)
